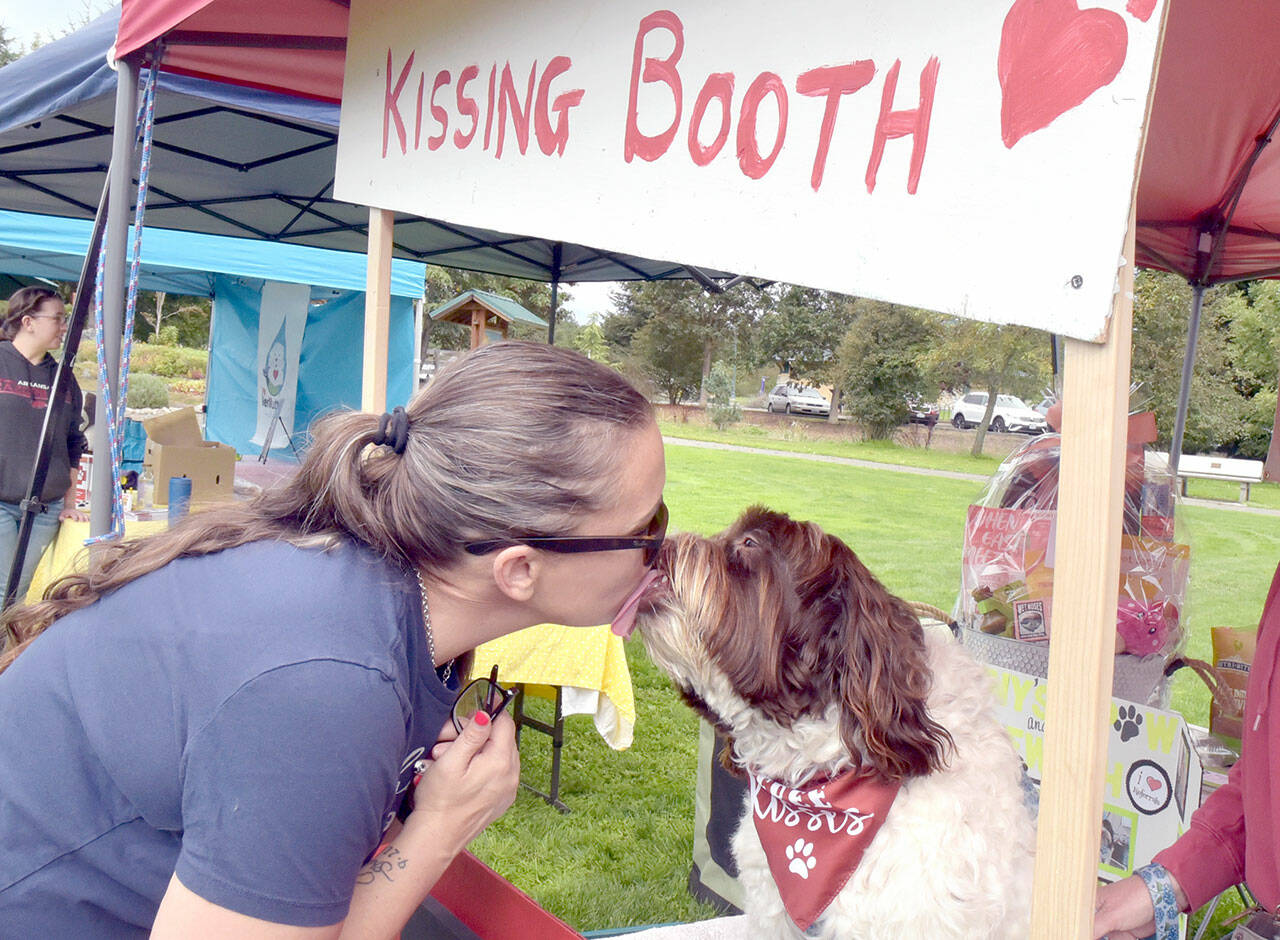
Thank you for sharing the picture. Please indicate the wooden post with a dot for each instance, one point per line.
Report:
(1095, 404)
(377, 311)
(477, 326)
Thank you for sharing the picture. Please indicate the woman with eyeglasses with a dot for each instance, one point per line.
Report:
(212, 732)
(32, 327)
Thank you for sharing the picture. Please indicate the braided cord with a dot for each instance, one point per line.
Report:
(115, 410)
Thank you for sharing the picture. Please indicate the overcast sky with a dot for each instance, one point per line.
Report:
(23, 19)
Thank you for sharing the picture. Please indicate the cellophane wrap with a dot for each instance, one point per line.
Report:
(1005, 606)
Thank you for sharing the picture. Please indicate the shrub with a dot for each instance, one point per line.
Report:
(147, 391)
(173, 362)
(168, 336)
(721, 408)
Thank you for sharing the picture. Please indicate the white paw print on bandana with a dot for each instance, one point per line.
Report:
(801, 856)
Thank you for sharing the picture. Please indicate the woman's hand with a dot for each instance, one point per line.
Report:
(470, 781)
(1124, 911)
(73, 514)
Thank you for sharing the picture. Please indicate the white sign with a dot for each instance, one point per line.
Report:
(974, 158)
(282, 320)
(1153, 774)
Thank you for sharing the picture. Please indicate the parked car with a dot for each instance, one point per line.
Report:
(1011, 414)
(800, 401)
(921, 412)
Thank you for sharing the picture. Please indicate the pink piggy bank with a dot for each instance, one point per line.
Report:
(1141, 626)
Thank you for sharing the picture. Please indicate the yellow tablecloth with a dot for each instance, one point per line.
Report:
(588, 663)
(64, 554)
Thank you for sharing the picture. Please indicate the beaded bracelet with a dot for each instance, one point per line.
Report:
(1163, 899)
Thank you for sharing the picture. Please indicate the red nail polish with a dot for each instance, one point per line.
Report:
(481, 718)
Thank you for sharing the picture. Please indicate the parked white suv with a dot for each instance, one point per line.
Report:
(1011, 414)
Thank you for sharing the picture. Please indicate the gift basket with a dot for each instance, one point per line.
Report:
(1005, 607)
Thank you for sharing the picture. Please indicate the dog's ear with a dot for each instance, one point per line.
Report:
(883, 672)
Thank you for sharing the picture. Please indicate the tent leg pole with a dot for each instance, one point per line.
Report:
(555, 292)
(418, 306)
(122, 145)
(1095, 405)
(1184, 390)
(377, 311)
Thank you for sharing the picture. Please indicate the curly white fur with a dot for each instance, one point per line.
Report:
(954, 857)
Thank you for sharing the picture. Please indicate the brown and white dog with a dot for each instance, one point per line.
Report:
(886, 793)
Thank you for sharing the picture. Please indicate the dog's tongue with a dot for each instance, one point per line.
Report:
(625, 621)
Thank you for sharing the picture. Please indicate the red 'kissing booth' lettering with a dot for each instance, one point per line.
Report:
(518, 102)
(510, 104)
(829, 82)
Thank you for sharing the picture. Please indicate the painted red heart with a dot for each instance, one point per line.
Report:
(1053, 56)
(1154, 783)
(1142, 9)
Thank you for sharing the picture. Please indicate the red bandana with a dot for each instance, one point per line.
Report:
(815, 837)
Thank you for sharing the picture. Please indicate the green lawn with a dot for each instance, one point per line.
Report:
(801, 437)
(622, 856)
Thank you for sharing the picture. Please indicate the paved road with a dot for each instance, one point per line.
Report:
(927, 472)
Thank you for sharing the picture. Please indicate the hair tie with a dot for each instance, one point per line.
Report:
(398, 421)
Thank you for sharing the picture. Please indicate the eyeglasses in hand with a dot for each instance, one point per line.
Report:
(480, 695)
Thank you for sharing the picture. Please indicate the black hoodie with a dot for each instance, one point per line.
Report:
(24, 395)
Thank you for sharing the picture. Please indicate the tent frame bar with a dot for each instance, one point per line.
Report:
(123, 142)
(183, 37)
(62, 379)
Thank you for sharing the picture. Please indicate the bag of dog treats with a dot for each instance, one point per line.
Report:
(1233, 650)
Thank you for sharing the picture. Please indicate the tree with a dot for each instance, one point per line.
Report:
(802, 334)
(10, 48)
(1252, 311)
(666, 348)
(694, 322)
(187, 323)
(1161, 307)
(590, 341)
(879, 364)
(990, 358)
(722, 409)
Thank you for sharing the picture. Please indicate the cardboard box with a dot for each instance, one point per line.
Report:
(175, 448)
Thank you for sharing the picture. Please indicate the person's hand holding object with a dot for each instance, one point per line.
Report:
(1125, 912)
(470, 781)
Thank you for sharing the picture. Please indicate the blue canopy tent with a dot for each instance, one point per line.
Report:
(233, 271)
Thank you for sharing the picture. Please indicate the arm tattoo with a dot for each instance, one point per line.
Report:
(384, 865)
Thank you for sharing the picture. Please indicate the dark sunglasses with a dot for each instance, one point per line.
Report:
(650, 540)
(480, 695)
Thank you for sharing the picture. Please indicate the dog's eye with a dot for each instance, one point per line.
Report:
(749, 542)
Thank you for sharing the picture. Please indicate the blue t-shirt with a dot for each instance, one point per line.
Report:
(248, 719)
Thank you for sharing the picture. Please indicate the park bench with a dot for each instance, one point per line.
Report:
(1205, 467)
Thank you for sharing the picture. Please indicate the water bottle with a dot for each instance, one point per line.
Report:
(147, 489)
(179, 498)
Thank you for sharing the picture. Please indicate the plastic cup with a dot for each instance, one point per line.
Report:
(179, 498)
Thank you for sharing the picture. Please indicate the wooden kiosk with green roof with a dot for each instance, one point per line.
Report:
(486, 314)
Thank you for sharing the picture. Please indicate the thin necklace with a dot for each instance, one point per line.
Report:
(426, 625)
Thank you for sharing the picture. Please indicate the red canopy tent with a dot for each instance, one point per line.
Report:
(1207, 168)
(297, 47)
